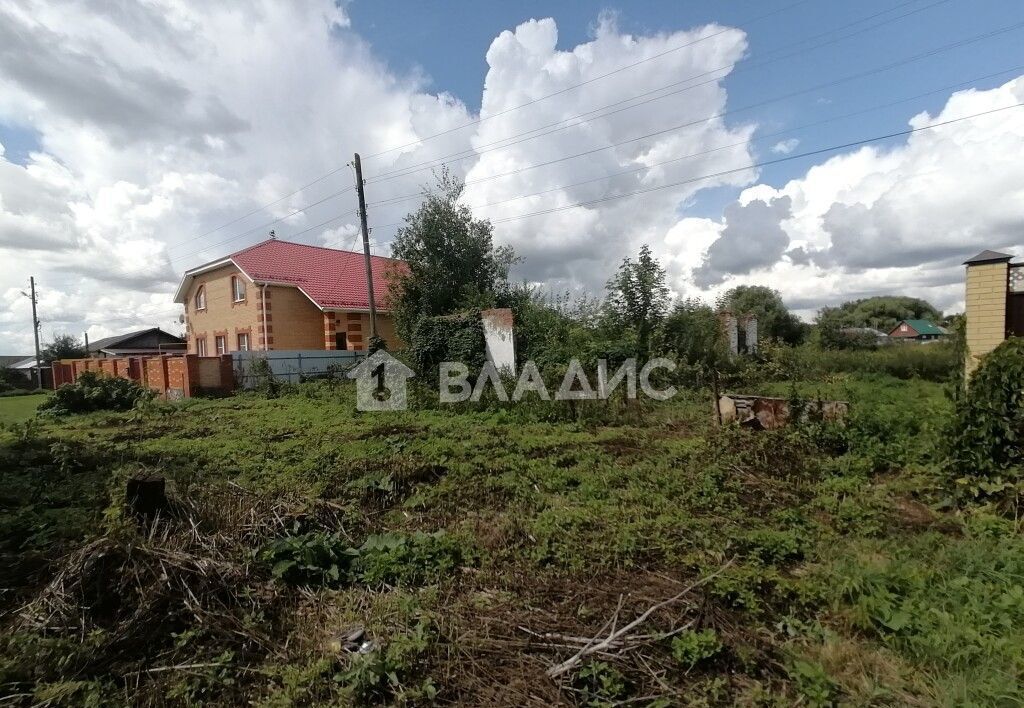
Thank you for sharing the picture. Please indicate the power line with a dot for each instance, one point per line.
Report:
(542, 130)
(561, 91)
(569, 88)
(269, 223)
(760, 138)
(246, 233)
(722, 114)
(266, 206)
(754, 165)
(765, 163)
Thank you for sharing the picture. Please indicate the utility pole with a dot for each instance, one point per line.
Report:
(35, 331)
(366, 250)
(85, 335)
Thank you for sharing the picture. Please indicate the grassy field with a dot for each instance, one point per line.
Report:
(14, 409)
(475, 550)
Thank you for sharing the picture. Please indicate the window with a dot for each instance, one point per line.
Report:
(340, 341)
(903, 328)
(243, 342)
(237, 288)
(201, 346)
(221, 342)
(201, 298)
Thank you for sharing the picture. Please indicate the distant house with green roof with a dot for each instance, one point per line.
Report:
(921, 330)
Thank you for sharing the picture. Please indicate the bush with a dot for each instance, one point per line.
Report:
(447, 338)
(93, 392)
(12, 379)
(987, 434)
(930, 362)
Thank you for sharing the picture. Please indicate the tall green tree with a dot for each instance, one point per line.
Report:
(881, 312)
(638, 298)
(63, 346)
(453, 263)
(693, 333)
(774, 319)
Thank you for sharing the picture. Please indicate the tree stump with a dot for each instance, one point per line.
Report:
(145, 496)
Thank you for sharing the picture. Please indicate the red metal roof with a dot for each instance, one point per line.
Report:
(333, 279)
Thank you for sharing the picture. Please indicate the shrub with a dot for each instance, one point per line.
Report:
(12, 379)
(93, 392)
(987, 434)
(930, 362)
(447, 338)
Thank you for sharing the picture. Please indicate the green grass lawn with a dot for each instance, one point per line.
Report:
(14, 409)
(476, 546)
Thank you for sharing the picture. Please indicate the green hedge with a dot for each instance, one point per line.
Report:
(447, 338)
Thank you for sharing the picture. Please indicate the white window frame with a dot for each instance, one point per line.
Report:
(201, 346)
(237, 284)
(220, 344)
(200, 299)
(243, 337)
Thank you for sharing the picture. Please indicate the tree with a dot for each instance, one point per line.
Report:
(638, 298)
(452, 261)
(881, 312)
(63, 346)
(774, 320)
(693, 332)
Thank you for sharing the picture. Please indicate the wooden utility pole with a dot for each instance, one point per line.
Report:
(366, 250)
(35, 331)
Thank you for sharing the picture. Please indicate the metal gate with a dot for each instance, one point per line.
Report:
(1015, 315)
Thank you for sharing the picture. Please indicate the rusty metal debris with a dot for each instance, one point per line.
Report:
(768, 413)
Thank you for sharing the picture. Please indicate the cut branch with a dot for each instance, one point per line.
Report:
(615, 636)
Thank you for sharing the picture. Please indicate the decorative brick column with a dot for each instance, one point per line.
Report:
(987, 286)
(265, 316)
(354, 330)
(330, 342)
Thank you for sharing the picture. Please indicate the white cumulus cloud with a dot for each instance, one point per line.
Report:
(884, 219)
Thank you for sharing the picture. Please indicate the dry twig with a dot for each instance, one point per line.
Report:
(594, 646)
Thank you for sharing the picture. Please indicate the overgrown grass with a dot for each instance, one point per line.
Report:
(937, 362)
(439, 555)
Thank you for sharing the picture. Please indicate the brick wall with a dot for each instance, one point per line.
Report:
(356, 326)
(986, 310)
(170, 376)
(297, 322)
(222, 315)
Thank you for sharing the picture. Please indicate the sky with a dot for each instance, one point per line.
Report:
(139, 139)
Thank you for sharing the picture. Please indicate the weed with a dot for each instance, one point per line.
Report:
(600, 684)
(692, 647)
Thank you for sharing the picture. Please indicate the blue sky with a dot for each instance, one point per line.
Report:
(141, 139)
(448, 44)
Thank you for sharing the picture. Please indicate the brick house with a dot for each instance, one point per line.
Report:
(995, 303)
(282, 295)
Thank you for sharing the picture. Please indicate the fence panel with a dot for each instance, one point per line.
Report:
(292, 365)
